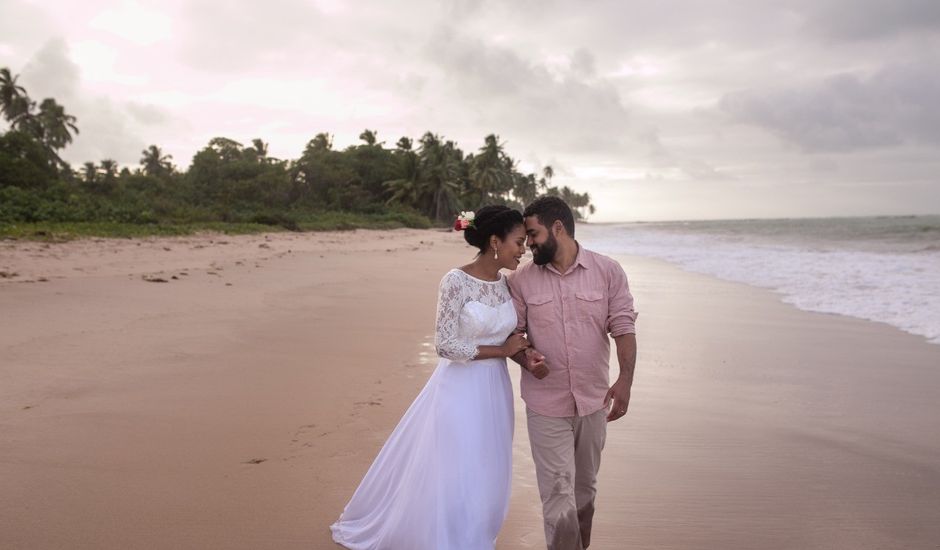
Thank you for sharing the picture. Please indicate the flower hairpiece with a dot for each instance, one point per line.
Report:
(464, 220)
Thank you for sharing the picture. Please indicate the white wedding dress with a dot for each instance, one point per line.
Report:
(441, 481)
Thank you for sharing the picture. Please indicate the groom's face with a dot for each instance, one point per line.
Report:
(540, 241)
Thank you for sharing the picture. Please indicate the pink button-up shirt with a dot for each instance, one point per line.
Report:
(567, 317)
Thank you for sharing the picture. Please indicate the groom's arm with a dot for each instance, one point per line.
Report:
(533, 361)
(621, 324)
(529, 359)
(619, 393)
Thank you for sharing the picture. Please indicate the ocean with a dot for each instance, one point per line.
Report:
(884, 269)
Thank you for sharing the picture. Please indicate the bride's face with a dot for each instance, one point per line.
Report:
(512, 248)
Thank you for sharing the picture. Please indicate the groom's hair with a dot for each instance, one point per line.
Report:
(550, 209)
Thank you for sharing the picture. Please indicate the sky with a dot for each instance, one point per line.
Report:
(696, 109)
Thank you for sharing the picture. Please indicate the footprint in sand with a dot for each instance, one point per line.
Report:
(372, 402)
(255, 461)
(303, 430)
(306, 433)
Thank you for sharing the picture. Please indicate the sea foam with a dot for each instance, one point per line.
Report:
(901, 289)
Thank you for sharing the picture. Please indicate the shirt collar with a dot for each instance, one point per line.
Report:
(579, 260)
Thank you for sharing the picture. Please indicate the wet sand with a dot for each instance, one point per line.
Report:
(238, 405)
(757, 425)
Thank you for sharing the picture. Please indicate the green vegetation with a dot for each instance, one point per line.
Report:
(231, 187)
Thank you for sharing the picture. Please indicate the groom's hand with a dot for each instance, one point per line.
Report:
(535, 363)
(618, 398)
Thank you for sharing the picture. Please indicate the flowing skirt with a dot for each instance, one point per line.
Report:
(442, 479)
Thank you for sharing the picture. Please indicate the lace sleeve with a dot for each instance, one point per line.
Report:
(450, 302)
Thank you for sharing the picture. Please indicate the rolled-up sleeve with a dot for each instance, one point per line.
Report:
(621, 317)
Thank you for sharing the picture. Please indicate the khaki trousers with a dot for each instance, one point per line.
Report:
(567, 455)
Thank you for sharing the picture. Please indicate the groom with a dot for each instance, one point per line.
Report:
(568, 300)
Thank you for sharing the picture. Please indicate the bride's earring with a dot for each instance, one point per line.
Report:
(495, 253)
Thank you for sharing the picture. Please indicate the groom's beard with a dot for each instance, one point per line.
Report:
(545, 252)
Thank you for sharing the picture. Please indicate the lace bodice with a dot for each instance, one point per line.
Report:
(471, 312)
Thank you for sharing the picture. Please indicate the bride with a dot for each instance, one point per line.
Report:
(442, 479)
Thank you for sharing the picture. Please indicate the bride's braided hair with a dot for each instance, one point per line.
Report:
(491, 220)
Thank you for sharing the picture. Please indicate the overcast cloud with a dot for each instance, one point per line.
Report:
(665, 110)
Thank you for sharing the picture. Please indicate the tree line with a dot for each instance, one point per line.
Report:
(416, 182)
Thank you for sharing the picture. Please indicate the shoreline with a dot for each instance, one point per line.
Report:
(240, 408)
(772, 426)
(877, 269)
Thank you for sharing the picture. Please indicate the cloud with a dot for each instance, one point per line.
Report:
(734, 94)
(235, 37)
(852, 20)
(106, 132)
(583, 64)
(464, 8)
(848, 111)
(134, 23)
(23, 26)
(569, 110)
(148, 114)
(107, 128)
(683, 165)
(52, 73)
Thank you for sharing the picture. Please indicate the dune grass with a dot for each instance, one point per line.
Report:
(327, 221)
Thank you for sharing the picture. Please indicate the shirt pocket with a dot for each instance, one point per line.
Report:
(591, 307)
(540, 311)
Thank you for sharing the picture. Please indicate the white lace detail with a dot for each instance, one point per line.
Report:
(460, 329)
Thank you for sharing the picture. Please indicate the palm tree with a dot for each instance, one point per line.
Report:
(504, 189)
(22, 117)
(11, 95)
(369, 136)
(577, 201)
(19, 112)
(525, 188)
(109, 170)
(56, 125)
(548, 172)
(488, 172)
(90, 172)
(404, 144)
(406, 189)
(439, 168)
(227, 149)
(154, 162)
(261, 149)
(320, 142)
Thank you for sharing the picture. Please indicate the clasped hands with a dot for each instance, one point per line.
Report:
(533, 360)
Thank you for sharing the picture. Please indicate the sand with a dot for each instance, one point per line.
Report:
(238, 404)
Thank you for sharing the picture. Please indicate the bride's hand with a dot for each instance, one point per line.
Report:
(514, 344)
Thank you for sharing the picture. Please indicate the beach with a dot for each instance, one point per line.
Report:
(223, 391)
